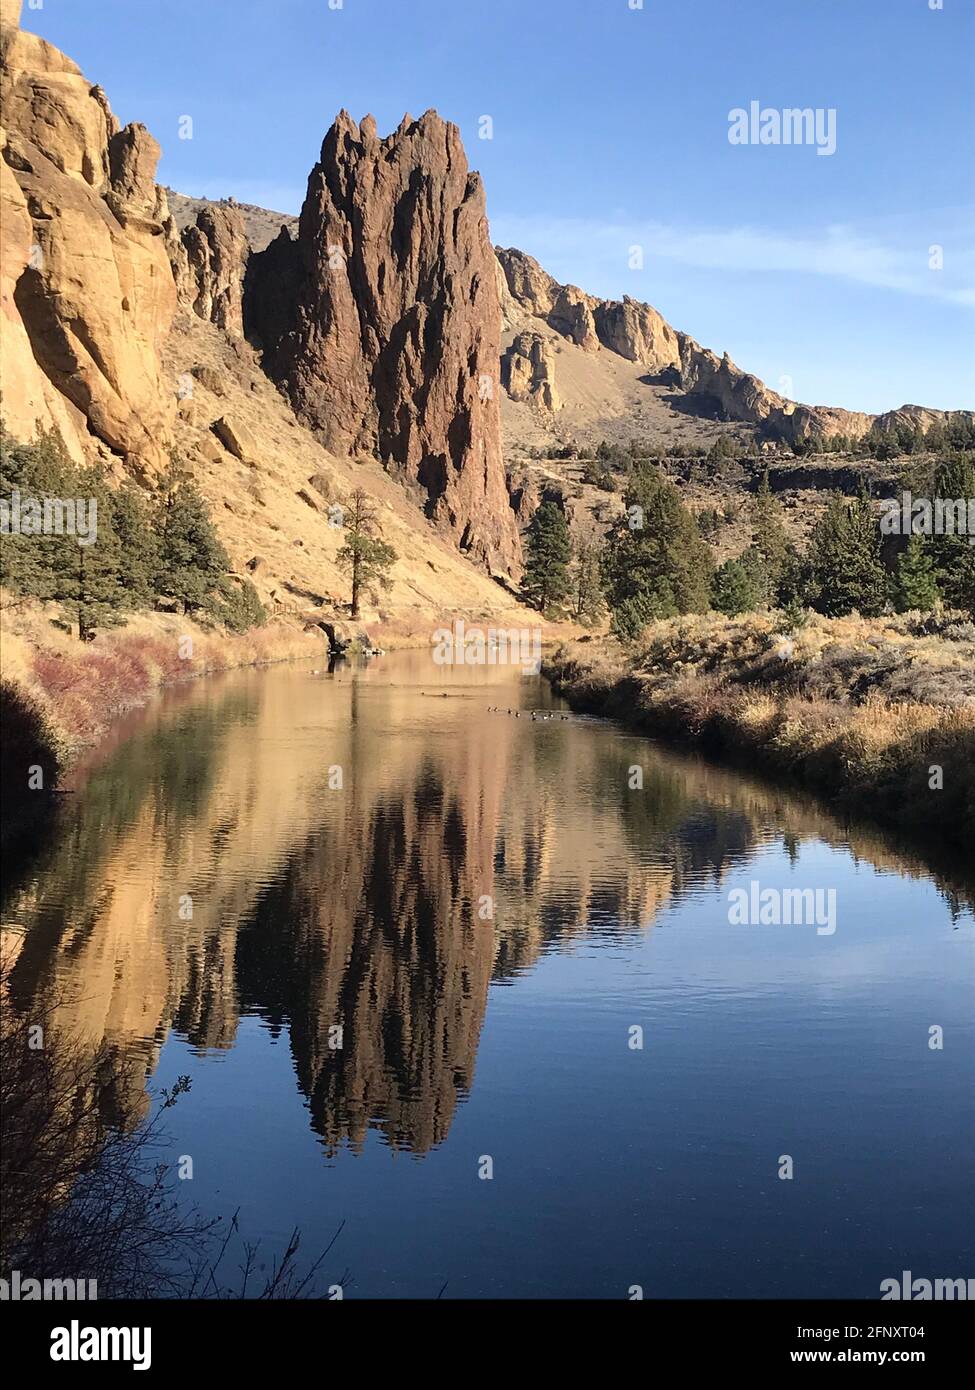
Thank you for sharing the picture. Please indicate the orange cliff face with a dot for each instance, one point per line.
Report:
(88, 292)
(96, 274)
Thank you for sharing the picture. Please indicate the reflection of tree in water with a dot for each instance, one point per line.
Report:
(665, 817)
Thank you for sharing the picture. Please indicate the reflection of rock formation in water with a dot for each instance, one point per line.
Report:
(380, 938)
(317, 908)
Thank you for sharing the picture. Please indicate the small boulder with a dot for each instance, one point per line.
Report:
(209, 450)
(209, 378)
(236, 439)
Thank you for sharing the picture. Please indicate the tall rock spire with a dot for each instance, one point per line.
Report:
(383, 320)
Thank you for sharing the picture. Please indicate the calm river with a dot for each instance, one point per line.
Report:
(456, 978)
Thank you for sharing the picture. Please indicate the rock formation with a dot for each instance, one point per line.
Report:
(379, 312)
(528, 284)
(92, 292)
(736, 395)
(382, 320)
(572, 316)
(637, 332)
(29, 396)
(209, 261)
(528, 372)
(633, 330)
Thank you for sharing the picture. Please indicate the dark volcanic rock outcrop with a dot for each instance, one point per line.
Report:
(382, 320)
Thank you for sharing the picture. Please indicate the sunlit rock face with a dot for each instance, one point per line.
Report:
(88, 290)
(528, 372)
(532, 299)
(209, 260)
(382, 320)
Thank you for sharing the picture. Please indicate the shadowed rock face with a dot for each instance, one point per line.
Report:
(89, 292)
(382, 320)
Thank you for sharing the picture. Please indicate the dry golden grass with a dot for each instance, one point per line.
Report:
(79, 689)
(862, 711)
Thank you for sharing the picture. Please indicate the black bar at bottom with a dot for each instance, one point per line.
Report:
(285, 1338)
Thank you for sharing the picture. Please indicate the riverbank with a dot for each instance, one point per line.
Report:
(878, 716)
(60, 696)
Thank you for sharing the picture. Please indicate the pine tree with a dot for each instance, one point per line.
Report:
(793, 590)
(847, 573)
(735, 588)
(191, 560)
(95, 589)
(769, 539)
(365, 554)
(119, 551)
(549, 546)
(656, 564)
(239, 606)
(35, 564)
(132, 523)
(916, 579)
(953, 554)
(589, 604)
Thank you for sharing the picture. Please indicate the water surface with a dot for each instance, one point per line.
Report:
(377, 986)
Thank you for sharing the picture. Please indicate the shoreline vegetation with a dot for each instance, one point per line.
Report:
(59, 697)
(876, 715)
(783, 660)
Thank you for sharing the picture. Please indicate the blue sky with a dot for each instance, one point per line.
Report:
(610, 130)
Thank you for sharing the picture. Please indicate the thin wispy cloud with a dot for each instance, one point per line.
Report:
(839, 252)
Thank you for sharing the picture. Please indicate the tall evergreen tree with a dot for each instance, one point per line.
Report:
(35, 564)
(68, 551)
(769, 540)
(365, 554)
(588, 603)
(794, 589)
(735, 589)
(95, 591)
(549, 550)
(132, 523)
(916, 579)
(847, 573)
(952, 554)
(116, 555)
(190, 559)
(239, 606)
(656, 564)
